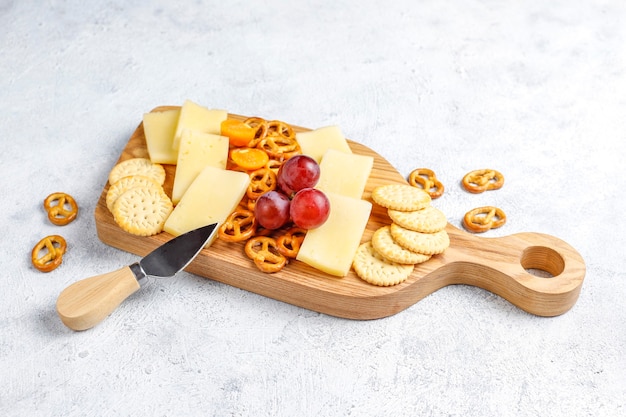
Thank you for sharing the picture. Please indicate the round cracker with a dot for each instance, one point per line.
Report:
(126, 183)
(401, 197)
(137, 166)
(427, 220)
(426, 243)
(142, 211)
(384, 244)
(371, 267)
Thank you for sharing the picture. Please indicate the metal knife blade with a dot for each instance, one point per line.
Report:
(87, 302)
(175, 254)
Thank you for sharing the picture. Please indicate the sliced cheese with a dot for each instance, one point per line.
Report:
(159, 129)
(196, 117)
(331, 247)
(197, 151)
(343, 173)
(210, 198)
(316, 142)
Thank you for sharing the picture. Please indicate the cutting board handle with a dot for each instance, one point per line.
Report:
(86, 303)
(539, 273)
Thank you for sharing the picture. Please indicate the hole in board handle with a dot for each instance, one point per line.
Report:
(542, 262)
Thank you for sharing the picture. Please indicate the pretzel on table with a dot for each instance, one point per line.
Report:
(482, 219)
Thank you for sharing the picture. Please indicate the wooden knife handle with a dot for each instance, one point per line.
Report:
(86, 303)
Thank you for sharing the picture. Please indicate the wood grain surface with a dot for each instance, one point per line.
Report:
(499, 265)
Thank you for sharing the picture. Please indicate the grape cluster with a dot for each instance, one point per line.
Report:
(295, 198)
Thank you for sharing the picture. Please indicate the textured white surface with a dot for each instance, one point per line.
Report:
(534, 89)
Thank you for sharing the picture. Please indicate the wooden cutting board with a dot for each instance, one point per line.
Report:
(499, 265)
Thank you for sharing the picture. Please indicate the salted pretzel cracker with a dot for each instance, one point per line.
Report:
(264, 252)
(261, 181)
(289, 242)
(426, 179)
(55, 247)
(481, 180)
(280, 147)
(247, 203)
(239, 226)
(278, 128)
(55, 205)
(481, 219)
(274, 165)
(280, 141)
(261, 125)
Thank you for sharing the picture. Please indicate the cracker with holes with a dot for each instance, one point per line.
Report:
(426, 243)
(126, 183)
(142, 211)
(427, 220)
(401, 197)
(371, 267)
(137, 166)
(383, 243)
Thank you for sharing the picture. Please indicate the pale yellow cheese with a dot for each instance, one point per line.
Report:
(159, 129)
(196, 117)
(316, 142)
(344, 174)
(197, 151)
(332, 246)
(210, 198)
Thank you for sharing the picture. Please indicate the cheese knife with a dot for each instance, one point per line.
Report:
(87, 302)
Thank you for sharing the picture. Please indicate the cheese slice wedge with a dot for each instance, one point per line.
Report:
(197, 150)
(196, 117)
(159, 129)
(210, 198)
(332, 246)
(316, 142)
(344, 173)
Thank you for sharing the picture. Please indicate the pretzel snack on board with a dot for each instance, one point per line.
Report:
(264, 252)
(289, 242)
(481, 219)
(481, 180)
(260, 125)
(426, 179)
(246, 203)
(278, 128)
(58, 214)
(279, 147)
(55, 246)
(239, 226)
(261, 181)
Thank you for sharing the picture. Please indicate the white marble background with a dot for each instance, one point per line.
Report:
(534, 89)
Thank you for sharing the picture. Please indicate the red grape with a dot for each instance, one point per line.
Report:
(272, 210)
(298, 172)
(309, 208)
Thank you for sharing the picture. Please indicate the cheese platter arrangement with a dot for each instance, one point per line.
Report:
(501, 265)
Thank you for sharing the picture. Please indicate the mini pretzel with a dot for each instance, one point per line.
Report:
(289, 243)
(279, 147)
(485, 218)
(274, 165)
(426, 179)
(239, 226)
(264, 252)
(482, 180)
(57, 212)
(247, 203)
(261, 181)
(278, 128)
(55, 248)
(261, 126)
